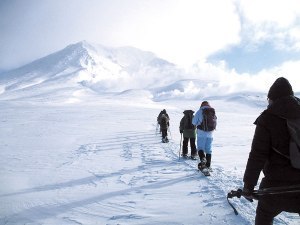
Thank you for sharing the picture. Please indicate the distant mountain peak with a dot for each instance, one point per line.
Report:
(87, 66)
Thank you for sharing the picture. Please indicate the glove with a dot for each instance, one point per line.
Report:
(247, 193)
(181, 131)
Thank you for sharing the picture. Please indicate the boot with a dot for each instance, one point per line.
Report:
(202, 162)
(208, 160)
(201, 155)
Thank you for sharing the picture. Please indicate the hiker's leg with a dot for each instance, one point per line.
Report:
(208, 160)
(200, 143)
(265, 213)
(164, 133)
(207, 145)
(201, 154)
(185, 146)
(193, 146)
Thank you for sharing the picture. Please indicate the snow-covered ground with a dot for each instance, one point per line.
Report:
(101, 161)
(79, 142)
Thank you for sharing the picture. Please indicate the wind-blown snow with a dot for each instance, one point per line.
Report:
(74, 150)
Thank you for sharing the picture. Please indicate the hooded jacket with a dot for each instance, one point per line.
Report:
(271, 131)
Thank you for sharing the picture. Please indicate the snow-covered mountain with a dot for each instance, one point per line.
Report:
(83, 66)
(82, 71)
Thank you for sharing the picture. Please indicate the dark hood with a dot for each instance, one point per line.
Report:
(187, 112)
(286, 107)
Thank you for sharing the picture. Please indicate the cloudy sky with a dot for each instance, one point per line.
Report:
(246, 36)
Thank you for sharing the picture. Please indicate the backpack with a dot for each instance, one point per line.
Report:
(209, 122)
(294, 146)
(164, 121)
(188, 117)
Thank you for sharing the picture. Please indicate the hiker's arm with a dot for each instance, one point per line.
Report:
(181, 125)
(258, 156)
(197, 118)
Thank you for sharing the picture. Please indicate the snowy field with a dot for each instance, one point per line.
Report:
(100, 161)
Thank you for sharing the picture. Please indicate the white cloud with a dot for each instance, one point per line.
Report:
(191, 30)
(273, 21)
(182, 31)
(280, 12)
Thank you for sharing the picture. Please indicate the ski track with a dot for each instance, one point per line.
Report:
(158, 167)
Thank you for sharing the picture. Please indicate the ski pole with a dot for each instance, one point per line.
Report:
(180, 146)
(232, 194)
(262, 192)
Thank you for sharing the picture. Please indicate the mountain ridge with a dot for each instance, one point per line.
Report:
(92, 66)
(95, 70)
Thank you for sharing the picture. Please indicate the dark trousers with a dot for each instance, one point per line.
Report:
(270, 206)
(164, 133)
(185, 146)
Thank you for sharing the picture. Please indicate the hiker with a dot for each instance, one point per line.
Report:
(164, 125)
(188, 130)
(206, 121)
(272, 134)
(160, 115)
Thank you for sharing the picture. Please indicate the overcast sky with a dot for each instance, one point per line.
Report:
(248, 36)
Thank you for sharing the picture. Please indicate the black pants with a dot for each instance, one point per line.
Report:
(164, 133)
(185, 146)
(270, 206)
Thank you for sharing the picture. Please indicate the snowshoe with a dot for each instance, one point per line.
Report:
(202, 164)
(165, 140)
(193, 157)
(185, 156)
(205, 171)
(202, 167)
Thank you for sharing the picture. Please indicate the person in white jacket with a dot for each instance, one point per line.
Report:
(205, 121)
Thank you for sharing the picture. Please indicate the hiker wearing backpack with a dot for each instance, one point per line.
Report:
(160, 116)
(205, 120)
(188, 130)
(270, 153)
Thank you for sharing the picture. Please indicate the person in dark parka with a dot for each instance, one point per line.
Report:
(189, 133)
(272, 132)
(159, 117)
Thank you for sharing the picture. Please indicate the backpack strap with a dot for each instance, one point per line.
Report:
(277, 151)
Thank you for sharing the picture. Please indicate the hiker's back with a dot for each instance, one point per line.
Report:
(187, 120)
(278, 167)
(164, 122)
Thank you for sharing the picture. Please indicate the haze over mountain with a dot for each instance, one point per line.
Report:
(83, 71)
(89, 67)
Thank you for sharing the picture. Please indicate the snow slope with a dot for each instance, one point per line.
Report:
(79, 145)
(102, 162)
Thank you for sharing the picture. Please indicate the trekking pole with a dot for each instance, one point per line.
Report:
(232, 194)
(293, 189)
(156, 129)
(180, 147)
